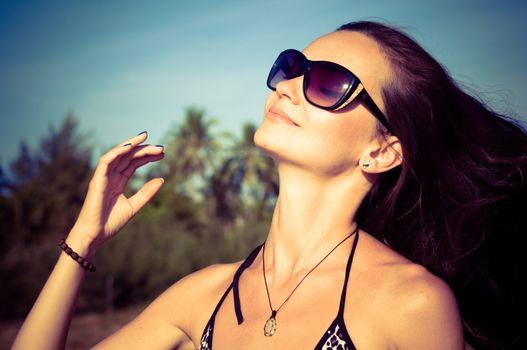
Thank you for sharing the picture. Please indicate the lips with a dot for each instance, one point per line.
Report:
(280, 115)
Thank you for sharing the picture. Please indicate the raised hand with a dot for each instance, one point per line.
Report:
(106, 209)
(104, 212)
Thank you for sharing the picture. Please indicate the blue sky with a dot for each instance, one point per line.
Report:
(127, 66)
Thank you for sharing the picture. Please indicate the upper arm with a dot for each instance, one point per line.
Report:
(168, 320)
(427, 316)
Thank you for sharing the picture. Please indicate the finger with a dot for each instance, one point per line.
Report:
(135, 140)
(137, 163)
(121, 162)
(136, 153)
(130, 145)
(145, 193)
(124, 147)
(133, 166)
(108, 159)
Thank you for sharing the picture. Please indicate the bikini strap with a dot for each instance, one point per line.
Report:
(235, 281)
(213, 317)
(348, 268)
(222, 299)
(249, 260)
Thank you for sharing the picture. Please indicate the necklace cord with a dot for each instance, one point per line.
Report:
(302, 280)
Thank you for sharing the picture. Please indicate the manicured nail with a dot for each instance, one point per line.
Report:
(128, 144)
(142, 132)
(160, 146)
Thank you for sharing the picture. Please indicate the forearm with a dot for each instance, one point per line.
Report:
(104, 212)
(47, 324)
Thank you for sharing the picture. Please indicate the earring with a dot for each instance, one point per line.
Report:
(366, 165)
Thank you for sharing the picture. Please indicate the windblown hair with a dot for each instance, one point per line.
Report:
(457, 204)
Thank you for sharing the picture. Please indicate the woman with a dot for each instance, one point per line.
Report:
(398, 162)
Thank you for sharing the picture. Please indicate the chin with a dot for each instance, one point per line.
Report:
(286, 148)
(273, 142)
(264, 140)
(277, 144)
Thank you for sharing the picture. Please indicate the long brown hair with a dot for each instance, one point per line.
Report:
(457, 204)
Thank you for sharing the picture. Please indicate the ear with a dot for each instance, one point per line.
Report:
(384, 154)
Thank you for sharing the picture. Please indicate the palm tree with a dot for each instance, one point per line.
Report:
(246, 179)
(260, 181)
(192, 150)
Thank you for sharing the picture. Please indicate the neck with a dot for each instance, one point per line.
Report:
(312, 215)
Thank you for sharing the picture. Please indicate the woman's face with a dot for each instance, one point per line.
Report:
(324, 141)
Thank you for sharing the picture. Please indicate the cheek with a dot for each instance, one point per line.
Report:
(345, 133)
(335, 143)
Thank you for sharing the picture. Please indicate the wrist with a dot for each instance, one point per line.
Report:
(81, 244)
(85, 263)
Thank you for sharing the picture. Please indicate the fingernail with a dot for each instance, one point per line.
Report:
(160, 146)
(128, 144)
(142, 132)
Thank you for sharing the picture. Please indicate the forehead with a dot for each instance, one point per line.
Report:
(355, 51)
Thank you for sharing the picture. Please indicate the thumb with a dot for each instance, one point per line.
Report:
(145, 194)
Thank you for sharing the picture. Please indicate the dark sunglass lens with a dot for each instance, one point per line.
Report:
(327, 84)
(287, 66)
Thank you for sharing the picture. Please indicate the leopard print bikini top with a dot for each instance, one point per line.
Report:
(335, 337)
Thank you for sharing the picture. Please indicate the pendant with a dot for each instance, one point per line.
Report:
(270, 326)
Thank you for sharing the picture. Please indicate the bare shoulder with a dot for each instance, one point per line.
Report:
(179, 314)
(426, 315)
(194, 297)
(423, 312)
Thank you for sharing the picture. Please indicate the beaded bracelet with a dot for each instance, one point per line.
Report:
(84, 263)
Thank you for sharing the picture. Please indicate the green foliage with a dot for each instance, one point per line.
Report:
(246, 181)
(215, 206)
(191, 152)
(38, 205)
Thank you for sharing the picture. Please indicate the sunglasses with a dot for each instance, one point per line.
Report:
(327, 85)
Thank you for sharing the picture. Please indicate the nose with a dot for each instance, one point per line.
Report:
(290, 89)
